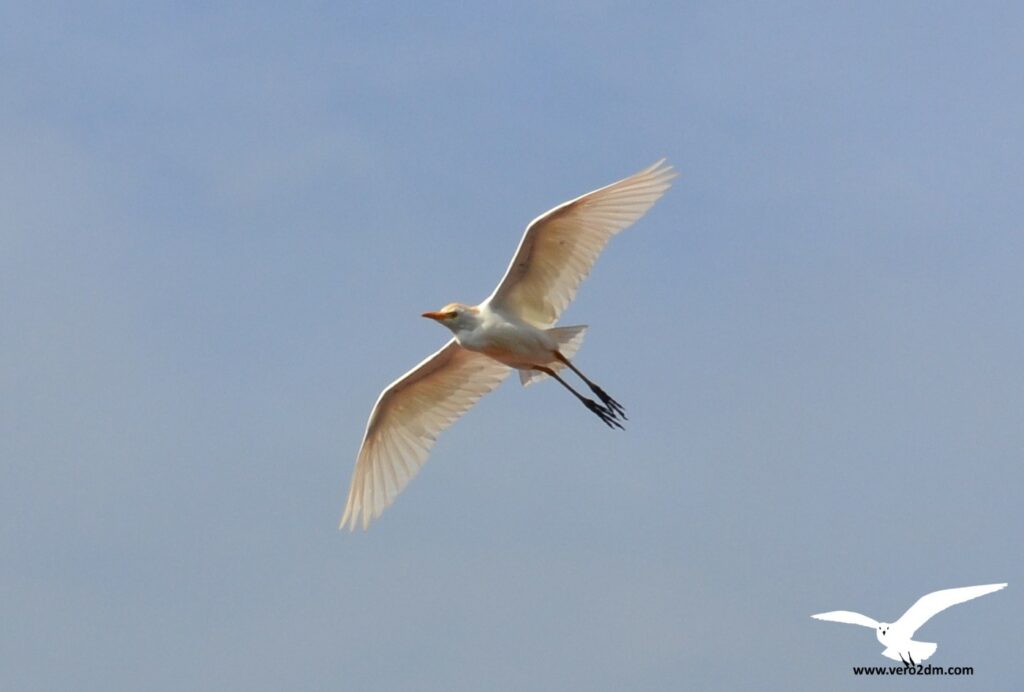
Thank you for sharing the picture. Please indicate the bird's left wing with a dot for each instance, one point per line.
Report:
(560, 247)
(407, 419)
(848, 617)
(937, 601)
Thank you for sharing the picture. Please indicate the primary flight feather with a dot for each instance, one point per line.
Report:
(512, 329)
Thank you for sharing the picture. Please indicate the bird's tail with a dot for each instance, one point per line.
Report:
(919, 651)
(922, 650)
(569, 340)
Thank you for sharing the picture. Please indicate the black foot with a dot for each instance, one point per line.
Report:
(911, 659)
(604, 414)
(907, 665)
(614, 407)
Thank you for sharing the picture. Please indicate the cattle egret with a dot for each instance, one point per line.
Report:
(512, 328)
(898, 636)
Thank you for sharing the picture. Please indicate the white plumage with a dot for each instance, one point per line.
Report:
(560, 246)
(898, 637)
(512, 328)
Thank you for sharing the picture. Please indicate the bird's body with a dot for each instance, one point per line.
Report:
(897, 637)
(503, 337)
(905, 649)
(512, 329)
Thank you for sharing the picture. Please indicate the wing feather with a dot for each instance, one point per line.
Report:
(934, 603)
(847, 617)
(560, 246)
(406, 420)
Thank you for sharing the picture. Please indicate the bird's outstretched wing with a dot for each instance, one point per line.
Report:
(937, 601)
(848, 617)
(560, 247)
(407, 419)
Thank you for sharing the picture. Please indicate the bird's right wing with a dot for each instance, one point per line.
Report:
(560, 246)
(406, 421)
(847, 617)
(937, 601)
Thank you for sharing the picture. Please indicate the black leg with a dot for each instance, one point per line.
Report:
(611, 404)
(600, 411)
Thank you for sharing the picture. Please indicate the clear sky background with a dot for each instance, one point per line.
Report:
(219, 226)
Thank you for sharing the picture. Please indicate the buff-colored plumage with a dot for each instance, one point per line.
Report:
(560, 246)
(406, 420)
(510, 329)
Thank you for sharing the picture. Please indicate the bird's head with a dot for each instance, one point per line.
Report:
(882, 631)
(455, 316)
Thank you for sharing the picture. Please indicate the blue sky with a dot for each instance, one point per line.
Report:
(221, 225)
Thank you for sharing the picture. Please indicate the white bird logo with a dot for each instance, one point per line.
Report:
(512, 329)
(897, 637)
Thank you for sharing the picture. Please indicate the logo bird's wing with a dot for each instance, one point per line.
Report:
(848, 617)
(937, 601)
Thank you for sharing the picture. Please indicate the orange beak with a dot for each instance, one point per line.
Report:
(437, 315)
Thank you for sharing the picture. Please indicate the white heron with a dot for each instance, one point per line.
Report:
(898, 637)
(512, 329)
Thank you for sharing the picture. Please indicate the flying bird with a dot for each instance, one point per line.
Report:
(513, 328)
(898, 636)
